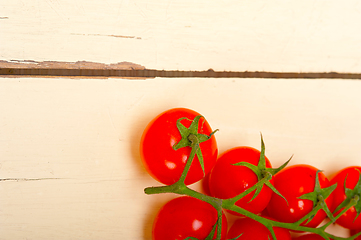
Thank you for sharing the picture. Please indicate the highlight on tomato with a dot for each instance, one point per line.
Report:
(297, 184)
(166, 142)
(348, 187)
(227, 180)
(186, 217)
(247, 228)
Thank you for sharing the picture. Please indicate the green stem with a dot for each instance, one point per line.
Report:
(219, 204)
(182, 189)
(230, 204)
(347, 207)
(355, 235)
(174, 188)
(248, 214)
(309, 215)
(179, 186)
(195, 146)
(232, 201)
(219, 224)
(291, 226)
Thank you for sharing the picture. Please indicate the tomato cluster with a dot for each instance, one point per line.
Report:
(178, 148)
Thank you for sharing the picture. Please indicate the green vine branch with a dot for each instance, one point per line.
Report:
(191, 138)
(229, 204)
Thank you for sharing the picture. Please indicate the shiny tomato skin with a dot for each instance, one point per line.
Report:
(164, 163)
(227, 181)
(311, 236)
(251, 229)
(347, 220)
(184, 217)
(292, 182)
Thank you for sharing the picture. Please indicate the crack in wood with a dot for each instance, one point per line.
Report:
(107, 35)
(24, 68)
(31, 64)
(25, 179)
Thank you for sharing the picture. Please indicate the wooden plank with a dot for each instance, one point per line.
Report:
(69, 160)
(251, 35)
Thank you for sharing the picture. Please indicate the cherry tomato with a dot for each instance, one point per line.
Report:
(311, 236)
(351, 174)
(251, 229)
(354, 231)
(166, 164)
(293, 182)
(227, 180)
(184, 217)
(205, 185)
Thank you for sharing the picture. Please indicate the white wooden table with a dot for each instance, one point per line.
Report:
(69, 161)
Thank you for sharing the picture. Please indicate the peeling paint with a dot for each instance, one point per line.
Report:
(25, 179)
(85, 69)
(107, 35)
(69, 65)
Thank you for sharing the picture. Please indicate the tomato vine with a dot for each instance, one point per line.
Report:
(190, 137)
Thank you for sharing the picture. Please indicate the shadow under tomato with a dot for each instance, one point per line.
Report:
(153, 210)
(138, 127)
(205, 185)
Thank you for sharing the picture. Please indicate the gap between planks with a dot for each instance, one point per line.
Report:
(16, 68)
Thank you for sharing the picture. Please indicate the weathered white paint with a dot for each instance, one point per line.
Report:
(69, 147)
(233, 35)
(78, 140)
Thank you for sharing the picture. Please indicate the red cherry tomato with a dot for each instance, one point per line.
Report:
(293, 182)
(351, 174)
(251, 229)
(311, 236)
(354, 231)
(185, 217)
(166, 164)
(227, 180)
(205, 185)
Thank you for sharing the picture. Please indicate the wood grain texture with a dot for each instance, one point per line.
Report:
(69, 159)
(230, 35)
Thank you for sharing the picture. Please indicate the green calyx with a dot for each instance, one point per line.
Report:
(318, 197)
(352, 197)
(191, 138)
(264, 173)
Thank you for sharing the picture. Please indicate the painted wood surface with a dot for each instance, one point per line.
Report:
(69, 160)
(249, 35)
